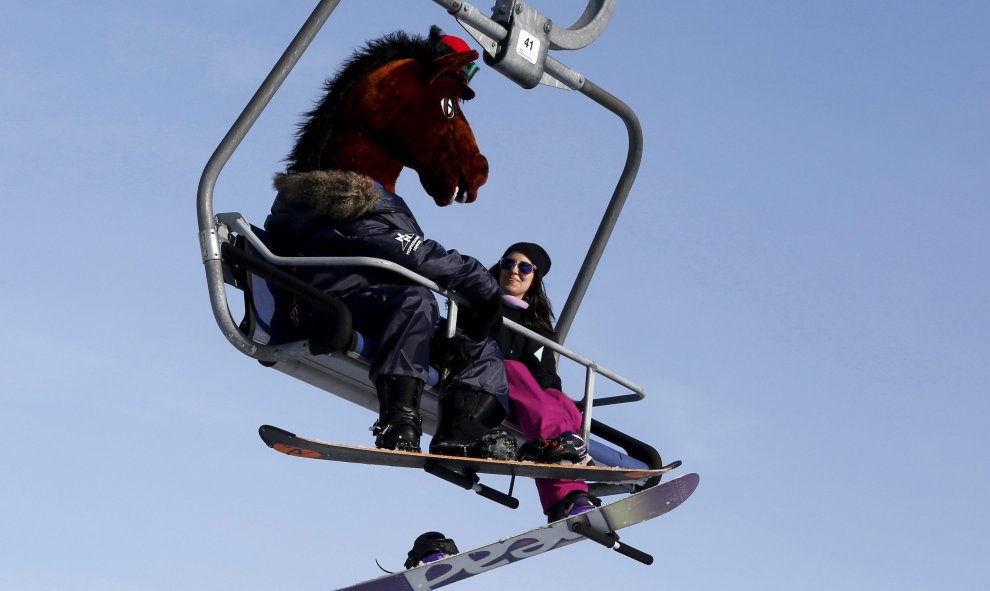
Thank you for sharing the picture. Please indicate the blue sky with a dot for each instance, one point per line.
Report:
(799, 280)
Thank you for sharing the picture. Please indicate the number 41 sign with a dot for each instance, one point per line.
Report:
(528, 46)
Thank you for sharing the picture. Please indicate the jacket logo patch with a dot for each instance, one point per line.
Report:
(409, 242)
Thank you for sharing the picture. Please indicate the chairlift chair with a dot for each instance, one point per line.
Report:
(235, 254)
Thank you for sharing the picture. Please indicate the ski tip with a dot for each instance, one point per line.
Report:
(267, 431)
(272, 436)
(688, 483)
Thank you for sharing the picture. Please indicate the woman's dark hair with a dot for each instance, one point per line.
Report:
(539, 315)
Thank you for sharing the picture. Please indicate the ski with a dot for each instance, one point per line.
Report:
(295, 445)
(600, 525)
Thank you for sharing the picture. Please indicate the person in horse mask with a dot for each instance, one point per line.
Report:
(382, 113)
(548, 418)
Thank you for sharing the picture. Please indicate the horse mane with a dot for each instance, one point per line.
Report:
(318, 124)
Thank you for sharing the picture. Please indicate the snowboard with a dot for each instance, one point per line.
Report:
(294, 445)
(599, 524)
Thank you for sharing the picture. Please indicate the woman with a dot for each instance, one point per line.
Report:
(548, 418)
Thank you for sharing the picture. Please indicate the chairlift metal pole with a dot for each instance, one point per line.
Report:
(209, 241)
(491, 34)
(255, 106)
(611, 216)
(580, 35)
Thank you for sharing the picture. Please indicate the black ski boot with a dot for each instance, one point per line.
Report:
(567, 449)
(430, 547)
(465, 427)
(399, 424)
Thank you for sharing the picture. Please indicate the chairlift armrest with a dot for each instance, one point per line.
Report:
(331, 307)
(236, 222)
(638, 391)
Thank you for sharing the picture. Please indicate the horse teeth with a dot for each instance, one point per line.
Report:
(458, 196)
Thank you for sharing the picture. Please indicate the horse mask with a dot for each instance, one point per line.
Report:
(397, 103)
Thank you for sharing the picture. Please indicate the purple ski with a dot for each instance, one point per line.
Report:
(599, 524)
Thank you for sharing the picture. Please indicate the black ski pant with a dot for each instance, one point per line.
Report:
(400, 320)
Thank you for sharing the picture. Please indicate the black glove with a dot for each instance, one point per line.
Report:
(449, 353)
(483, 319)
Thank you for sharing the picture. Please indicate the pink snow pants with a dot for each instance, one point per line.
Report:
(543, 413)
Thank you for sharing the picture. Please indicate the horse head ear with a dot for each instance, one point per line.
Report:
(450, 63)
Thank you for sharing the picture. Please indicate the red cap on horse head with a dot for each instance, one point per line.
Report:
(397, 103)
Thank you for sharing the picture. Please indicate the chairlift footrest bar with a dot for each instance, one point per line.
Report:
(471, 482)
(611, 540)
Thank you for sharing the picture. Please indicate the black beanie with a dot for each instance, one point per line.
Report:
(534, 252)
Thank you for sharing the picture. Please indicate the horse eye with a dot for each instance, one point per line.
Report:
(449, 107)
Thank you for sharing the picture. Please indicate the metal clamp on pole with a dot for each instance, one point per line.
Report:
(522, 55)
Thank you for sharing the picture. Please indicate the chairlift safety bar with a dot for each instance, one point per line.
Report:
(237, 223)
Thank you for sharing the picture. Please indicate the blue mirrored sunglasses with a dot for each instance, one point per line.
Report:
(524, 267)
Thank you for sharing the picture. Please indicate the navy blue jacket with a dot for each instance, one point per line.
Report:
(334, 213)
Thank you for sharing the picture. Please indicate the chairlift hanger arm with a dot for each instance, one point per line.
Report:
(254, 108)
(491, 33)
(588, 27)
(634, 157)
(582, 33)
(209, 241)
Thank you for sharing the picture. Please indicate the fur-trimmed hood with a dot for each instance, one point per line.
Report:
(337, 194)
